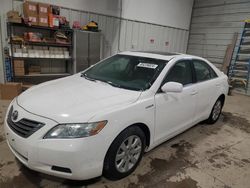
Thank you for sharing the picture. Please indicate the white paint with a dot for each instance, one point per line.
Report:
(172, 87)
(175, 13)
(147, 65)
(85, 101)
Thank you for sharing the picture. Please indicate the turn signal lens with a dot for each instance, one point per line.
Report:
(98, 128)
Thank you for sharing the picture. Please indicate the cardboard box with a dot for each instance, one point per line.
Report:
(10, 90)
(30, 12)
(43, 20)
(13, 14)
(43, 9)
(19, 71)
(33, 19)
(18, 64)
(29, 8)
(15, 20)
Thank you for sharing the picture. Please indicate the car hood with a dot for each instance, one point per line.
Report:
(74, 99)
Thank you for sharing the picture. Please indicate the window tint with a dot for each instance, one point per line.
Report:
(181, 72)
(116, 67)
(203, 71)
(128, 72)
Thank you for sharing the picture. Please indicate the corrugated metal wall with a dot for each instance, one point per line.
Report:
(213, 25)
(134, 35)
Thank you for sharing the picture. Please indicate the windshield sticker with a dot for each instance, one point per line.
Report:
(147, 65)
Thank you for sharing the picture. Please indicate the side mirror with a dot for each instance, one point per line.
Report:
(172, 87)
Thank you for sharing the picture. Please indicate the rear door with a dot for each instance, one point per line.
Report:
(207, 86)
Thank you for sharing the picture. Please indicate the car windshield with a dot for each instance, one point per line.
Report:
(125, 71)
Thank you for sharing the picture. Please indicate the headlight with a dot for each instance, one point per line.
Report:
(77, 130)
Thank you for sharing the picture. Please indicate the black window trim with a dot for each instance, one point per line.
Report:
(194, 79)
(192, 72)
(207, 65)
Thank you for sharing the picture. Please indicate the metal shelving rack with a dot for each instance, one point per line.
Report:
(38, 78)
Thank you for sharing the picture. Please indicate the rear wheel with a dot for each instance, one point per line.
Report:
(216, 111)
(124, 153)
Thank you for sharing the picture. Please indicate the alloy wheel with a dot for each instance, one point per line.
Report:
(128, 153)
(216, 110)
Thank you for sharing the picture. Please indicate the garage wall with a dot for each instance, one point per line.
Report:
(109, 7)
(134, 35)
(175, 13)
(213, 25)
(128, 32)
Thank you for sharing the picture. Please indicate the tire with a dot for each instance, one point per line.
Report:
(216, 112)
(115, 168)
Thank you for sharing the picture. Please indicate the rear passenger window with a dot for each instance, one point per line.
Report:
(181, 72)
(203, 71)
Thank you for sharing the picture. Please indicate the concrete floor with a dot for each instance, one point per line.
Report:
(204, 156)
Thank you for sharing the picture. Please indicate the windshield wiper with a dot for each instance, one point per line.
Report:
(119, 86)
(87, 78)
(110, 83)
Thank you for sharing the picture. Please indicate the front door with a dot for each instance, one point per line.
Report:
(175, 111)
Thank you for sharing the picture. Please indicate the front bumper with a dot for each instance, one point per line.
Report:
(77, 159)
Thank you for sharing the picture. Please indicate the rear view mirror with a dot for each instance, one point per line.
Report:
(172, 87)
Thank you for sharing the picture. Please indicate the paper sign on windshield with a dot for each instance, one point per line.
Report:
(147, 65)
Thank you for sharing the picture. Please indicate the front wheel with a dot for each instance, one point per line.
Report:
(124, 153)
(215, 113)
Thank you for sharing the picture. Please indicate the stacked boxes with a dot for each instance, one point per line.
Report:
(36, 13)
(43, 12)
(19, 69)
(30, 12)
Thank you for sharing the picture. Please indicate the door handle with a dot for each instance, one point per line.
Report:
(194, 92)
(218, 85)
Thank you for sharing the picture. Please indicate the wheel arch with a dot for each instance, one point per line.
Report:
(145, 130)
(142, 126)
(222, 98)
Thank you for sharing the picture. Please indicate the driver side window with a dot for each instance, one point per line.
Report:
(181, 72)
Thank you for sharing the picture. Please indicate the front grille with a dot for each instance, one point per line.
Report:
(24, 127)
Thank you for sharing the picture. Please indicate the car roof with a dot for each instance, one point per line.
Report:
(155, 54)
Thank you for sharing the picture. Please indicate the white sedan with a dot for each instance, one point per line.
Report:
(102, 120)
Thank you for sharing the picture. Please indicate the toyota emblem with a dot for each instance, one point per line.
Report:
(14, 115)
